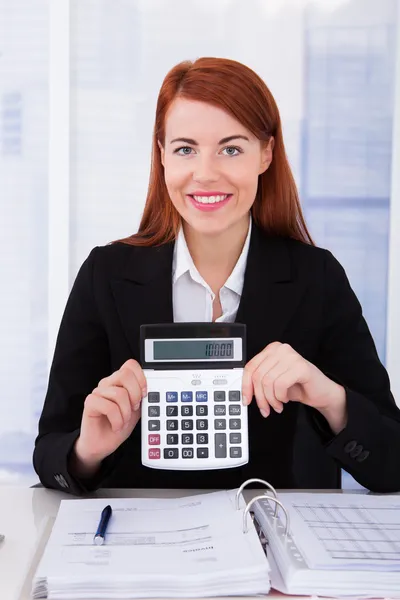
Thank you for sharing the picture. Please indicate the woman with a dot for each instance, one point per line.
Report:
(222, 238)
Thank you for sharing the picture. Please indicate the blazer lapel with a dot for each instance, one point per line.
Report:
(144, 293)
(270, 292)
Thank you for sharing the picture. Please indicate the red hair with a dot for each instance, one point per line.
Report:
(235, 88)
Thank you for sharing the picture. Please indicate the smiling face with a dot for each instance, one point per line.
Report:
(211, 165)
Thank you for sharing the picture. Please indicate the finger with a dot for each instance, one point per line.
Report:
(248, 388)
(261, 400)
(120, 396)
(97, 406)
(286, 380)
(129, 380)
(134, 366)
(264, 367)
(268, 383)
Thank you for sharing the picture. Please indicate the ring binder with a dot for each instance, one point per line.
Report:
(265, 497)
(254, 480)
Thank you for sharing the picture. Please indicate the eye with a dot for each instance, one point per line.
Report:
(178, 150)
(235, 149)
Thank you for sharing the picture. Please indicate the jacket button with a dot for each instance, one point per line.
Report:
(357, 451)
(361, 457)
(349, 447)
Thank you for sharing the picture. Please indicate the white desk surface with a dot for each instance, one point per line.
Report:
(26, 518)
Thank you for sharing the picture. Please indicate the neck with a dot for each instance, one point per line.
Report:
(215, 255)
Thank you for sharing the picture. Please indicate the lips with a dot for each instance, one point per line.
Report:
(209, 202)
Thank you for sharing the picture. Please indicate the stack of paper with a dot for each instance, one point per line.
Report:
(339, 544)
(186, 547)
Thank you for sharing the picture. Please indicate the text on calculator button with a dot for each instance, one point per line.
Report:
(234, 423)
(154, 453)
(235, 409)
(219, 396)
(220, 424)
(235, 438)
(202, 438)
(154, 425)
(172, 439)
(171, 453)
(154, 439)
(235, 452)
(201, 396)
(187, 396)
(201, 410)
(201, 424)
(187, 453)
(202, 452)
(219, 410)
(186, 411)
(187, 438)
(154, 411)
(172, 396)
(187, 424)
(172, 425)
(220, 445)
(172, 411)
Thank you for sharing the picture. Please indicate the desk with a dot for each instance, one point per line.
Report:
(26, 517)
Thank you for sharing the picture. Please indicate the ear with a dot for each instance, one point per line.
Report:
(162, 152)
(267, 153)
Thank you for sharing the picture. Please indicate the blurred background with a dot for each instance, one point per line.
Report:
(78, 86)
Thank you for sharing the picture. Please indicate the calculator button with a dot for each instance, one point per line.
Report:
(154, 411)
(172, 411)
(201, 424)
(235, 438)
(235, 409)
(234, 396)
(186, 411)
(172, 425)
(187, 438)
(219, 396)
(234, 423)
(154, 453)
(235, 452)
(172, 439)
(220, 382)
(201, 411)
(154, 439)
(171, 452)
(153, 397)
(219, 409)
(201, 396)
(187, 424)
(186, 396)
(202, 452)
(195, 382)
(172, 396)
(220, 445)
(220, 424)
(154, 425)
(187, 453)
(202, 438)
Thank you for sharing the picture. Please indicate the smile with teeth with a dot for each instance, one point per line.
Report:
(210, 199)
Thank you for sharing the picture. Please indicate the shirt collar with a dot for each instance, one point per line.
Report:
(183, 262)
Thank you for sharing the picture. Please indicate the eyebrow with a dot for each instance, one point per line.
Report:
(224, 140)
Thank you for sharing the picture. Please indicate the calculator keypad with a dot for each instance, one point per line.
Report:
(186, 425)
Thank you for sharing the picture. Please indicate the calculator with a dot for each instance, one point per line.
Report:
(193, 416)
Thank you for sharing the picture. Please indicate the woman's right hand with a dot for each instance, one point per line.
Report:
(110, 414)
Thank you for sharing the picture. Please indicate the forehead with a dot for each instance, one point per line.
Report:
(201, 121)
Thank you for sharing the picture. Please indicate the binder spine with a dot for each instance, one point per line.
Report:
(277, 502)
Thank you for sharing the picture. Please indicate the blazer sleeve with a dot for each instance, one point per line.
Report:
(369, 446)
(81, 359)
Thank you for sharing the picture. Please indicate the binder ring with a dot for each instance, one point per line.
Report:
(265, 497)
(268, 485)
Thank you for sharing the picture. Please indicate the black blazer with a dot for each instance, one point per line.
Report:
(293, 293)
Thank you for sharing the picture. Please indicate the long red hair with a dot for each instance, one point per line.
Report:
(238, 90)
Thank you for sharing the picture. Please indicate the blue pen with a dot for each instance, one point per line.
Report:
(101, 529)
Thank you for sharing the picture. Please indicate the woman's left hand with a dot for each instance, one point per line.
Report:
(279, 374)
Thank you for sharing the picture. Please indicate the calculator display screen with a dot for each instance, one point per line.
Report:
(193, 349)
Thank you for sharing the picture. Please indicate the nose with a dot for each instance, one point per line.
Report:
(205, 171)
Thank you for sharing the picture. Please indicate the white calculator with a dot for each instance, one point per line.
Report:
(193, 416)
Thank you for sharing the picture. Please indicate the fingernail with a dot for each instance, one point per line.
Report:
(144, 392)
(279, 410)
(263, 413)
(136, 407)
(244, 401)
